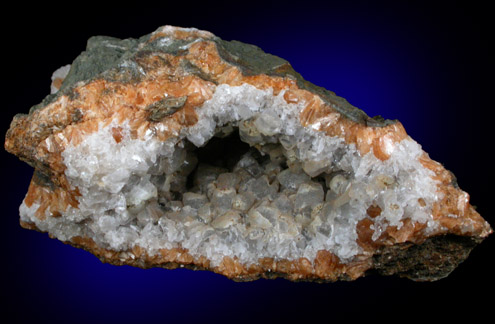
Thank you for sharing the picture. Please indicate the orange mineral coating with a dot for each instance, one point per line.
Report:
(57, 82)
(51, 201)
(453, 211)
(326, 267)
(49, 130)
(41, 137)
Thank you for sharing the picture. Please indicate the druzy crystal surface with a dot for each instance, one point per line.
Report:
(181, 149)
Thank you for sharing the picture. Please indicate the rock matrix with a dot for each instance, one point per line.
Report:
(179, 149)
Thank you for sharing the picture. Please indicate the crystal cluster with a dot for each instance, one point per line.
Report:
(240, 177)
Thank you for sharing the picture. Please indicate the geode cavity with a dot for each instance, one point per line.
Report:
(181, 149)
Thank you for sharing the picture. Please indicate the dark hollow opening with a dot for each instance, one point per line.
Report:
(223, 152)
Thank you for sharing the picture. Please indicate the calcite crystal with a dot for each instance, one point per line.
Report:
(179, 149)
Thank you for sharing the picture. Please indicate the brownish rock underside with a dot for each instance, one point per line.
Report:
(40, 137)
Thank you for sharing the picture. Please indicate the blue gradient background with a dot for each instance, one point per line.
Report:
(430, 66)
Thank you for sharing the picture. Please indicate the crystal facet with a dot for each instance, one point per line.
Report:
(187, 150)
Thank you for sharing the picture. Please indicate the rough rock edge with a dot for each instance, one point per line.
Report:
(448, 251)
(432, 260)
(103, 55)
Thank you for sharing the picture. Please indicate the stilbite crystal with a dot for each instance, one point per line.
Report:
(181, 149)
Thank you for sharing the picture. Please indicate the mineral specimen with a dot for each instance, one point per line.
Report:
(180, 149)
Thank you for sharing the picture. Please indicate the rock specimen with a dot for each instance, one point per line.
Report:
(180, 149)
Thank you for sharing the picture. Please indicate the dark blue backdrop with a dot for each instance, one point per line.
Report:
(429, 66)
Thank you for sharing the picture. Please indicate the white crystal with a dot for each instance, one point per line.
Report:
(222, 199)
(59, 74)
(243, 201)
(309, 194)
(136, 192)
(338, 184)
(226, 220)
(193, 199)
(292, 180)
